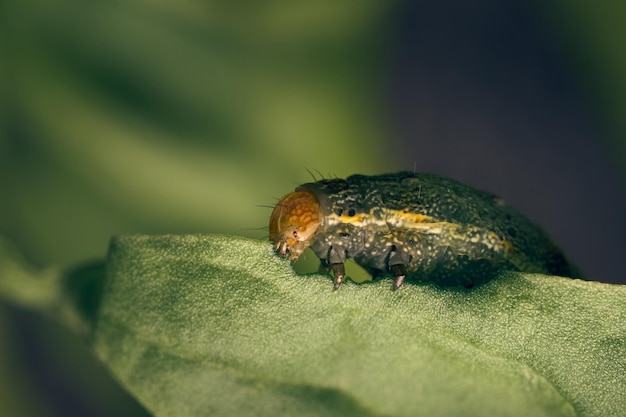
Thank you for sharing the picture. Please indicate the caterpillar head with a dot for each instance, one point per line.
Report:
(294, 222)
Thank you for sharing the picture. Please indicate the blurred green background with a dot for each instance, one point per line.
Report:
(189, 116)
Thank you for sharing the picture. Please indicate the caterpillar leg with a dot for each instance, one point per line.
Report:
(397, 266)
(335, 264)
(336, 258)
(339, 273)
(399, 273)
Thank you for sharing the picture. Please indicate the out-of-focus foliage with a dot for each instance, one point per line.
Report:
(44, 369)
(594, 34)
(15, 392)
(167, 116)
(175, 116)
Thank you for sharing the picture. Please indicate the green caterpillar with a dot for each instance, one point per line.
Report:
(420, 227)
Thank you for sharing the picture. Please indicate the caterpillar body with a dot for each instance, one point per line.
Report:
(416, 226)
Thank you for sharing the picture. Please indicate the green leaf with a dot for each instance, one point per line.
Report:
(215, 325)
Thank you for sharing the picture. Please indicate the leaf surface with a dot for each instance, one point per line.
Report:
(214, 325)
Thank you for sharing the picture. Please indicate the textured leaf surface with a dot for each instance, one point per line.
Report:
(213, 325)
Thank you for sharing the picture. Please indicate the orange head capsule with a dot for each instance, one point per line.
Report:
(294, 222)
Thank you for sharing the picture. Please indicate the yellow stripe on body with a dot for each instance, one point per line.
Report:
(421, 223)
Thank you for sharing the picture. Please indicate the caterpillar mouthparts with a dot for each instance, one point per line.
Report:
(294, 222)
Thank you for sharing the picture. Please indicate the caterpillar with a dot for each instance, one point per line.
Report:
(415, 226)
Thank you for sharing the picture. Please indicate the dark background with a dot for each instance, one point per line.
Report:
(486, 93)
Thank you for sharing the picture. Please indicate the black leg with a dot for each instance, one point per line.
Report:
(399, 273)
(339, 273)
(397, 266)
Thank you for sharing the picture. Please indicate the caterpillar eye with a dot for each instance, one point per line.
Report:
(294, 222)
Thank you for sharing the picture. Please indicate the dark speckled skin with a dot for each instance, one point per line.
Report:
(440, 230)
